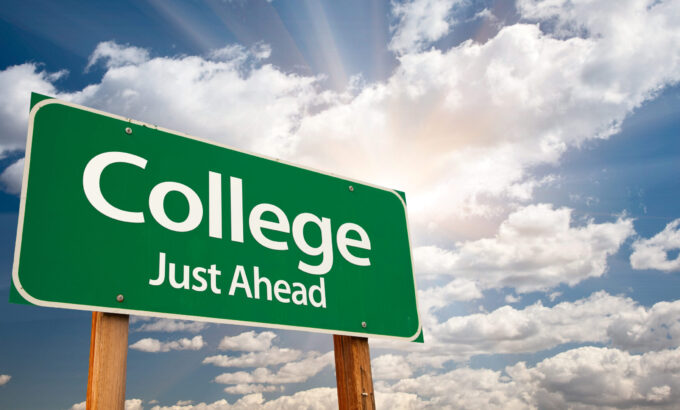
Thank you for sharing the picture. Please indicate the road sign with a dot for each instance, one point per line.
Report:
(125, 217)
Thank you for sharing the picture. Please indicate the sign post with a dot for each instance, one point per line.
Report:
(108, 361)
(353, 373)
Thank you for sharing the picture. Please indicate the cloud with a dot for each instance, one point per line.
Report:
(133, 404)
(259, 51)
(399, 401)
(642, 330)
(294, 372)
(585, 377)
(420, 22)
(169, 325)
(262, 105)
(470, 122)
(455, 290)
(261, 354)
(390, 367)
(270, 357)
(130, 404)
(251, 388)
(599, 318)
(652, 253)
(10, 179)
(433, 261)
(4, 379)
(512, 299)
(248, 402)
(460, 130)
(248, 341)
(434, 298)
(607, 377)
(308, 367)
(180, 93)
(16, 84)
(116, 55)
(322, 398)
(138, 319)
(532, 329)
(465, 388)
(536, 248)
(554, 295)
(154, 345)
(582, 378)
(217, 405)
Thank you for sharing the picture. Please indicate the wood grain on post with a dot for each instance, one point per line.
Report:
(353, 373)
(108, 361)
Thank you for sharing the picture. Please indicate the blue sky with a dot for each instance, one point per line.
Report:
(536, 141)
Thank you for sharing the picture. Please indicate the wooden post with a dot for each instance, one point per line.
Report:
(108, 361)
(353, 373)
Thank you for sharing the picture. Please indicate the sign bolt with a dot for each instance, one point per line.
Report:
(128, 130)
(351, 188)
(363, 324)
(120, 298)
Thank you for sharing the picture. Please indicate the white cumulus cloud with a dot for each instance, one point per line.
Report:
(16, 83)
(170, 325)
(155, 346)
(321, 398)
(652, 253)
(437, 297)
(607, 377)
(532, 329)
(583, 378)
(642, 329)
(420, 22)
(270, 357)
(251, 388)
(390, 367)
(474, 119)
(248, 341)
(459, 129)
(536, 248)
(10, 179)
(600, 318)
(117, 55)
(130, 404)
(465, 388)
(252, 401)
(220, 97)
(294, 372)
(4, 379)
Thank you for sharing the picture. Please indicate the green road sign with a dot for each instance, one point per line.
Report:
(125, 217)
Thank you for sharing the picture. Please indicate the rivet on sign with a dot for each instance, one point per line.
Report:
(120, 298)
(128, 130)
(363, 393)
(363, 324)
(351, 188)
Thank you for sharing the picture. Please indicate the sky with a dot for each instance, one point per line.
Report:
(537, 142)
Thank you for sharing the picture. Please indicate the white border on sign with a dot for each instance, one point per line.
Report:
(29, 298)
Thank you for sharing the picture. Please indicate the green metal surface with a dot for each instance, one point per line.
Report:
(72, 255)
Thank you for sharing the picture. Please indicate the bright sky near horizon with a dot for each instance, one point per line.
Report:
(537, 142)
